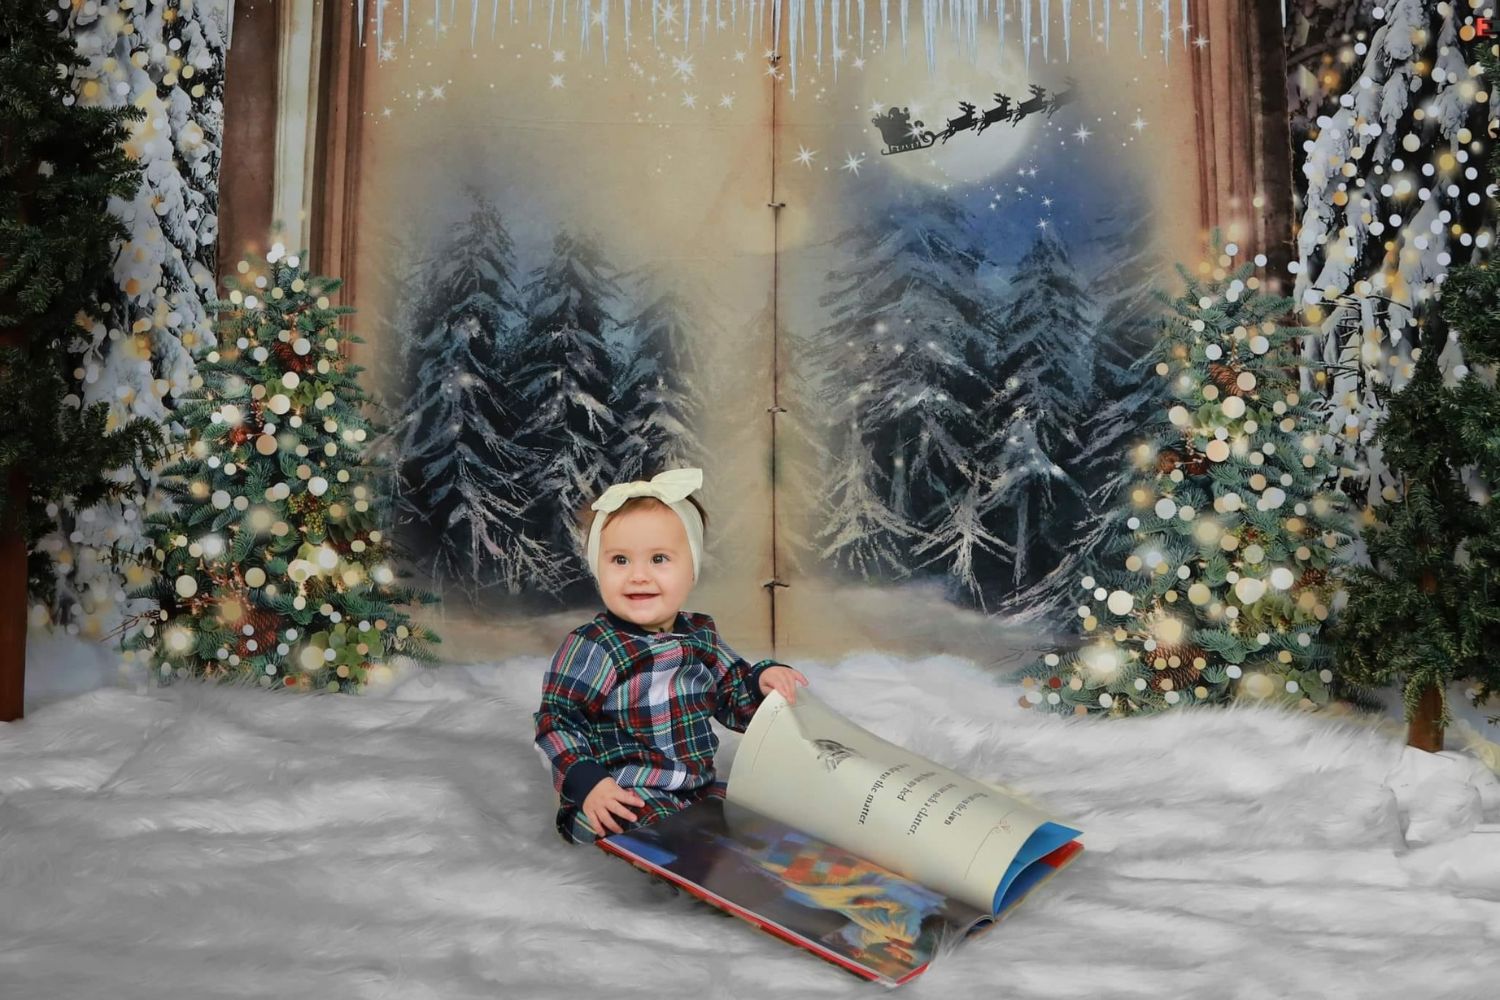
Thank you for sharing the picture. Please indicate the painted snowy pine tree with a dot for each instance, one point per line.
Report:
(1392, 198)
(1424, 613)
(1043, 349)
(899, 390)
(273, 566)
(656, 396)
(565, 375)
(1124, 394)
(1220, 583)
(464, 476)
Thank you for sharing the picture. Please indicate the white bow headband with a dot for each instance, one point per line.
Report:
(671, 488)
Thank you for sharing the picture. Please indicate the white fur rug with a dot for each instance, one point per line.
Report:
(199, 843)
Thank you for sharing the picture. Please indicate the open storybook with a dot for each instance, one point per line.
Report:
(842, 843)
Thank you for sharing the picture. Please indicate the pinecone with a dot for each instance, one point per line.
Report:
(1226, 378)
(292, 361)
(265, 623)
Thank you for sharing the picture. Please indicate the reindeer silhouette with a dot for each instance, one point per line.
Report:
(964, 122)
(1036, 102)
(1058, 100)
(999, 113)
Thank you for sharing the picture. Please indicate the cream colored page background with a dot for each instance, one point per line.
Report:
(666, 166)
(896, 808)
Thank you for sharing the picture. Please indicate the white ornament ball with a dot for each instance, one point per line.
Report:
(1259, 344)
(1105, 700)
(317, 486)
(1249, 589)
(1213, 352)
(301, 346)
(1234, 671)
(1233, 407)
(255, 576)
(1281, 578)
(221, 499)
(1178, 415)
(1121, 602)
(291, 380)
(279, 404)
(1166, 508)
(186, 586)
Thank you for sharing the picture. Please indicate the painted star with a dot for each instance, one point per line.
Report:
(1047, 202)
(1082, 135)
(727, 101)
(859, 62)
(739, 56)
(437, 93)
(1042, 224)
(1139, 124)
(876, 108)
(689, 100)
(804, 155)
(1201, 41)
(558, 55)
(557, 81)
(682, 67)
(852, 162)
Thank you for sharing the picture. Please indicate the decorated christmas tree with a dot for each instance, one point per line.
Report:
(273, 567)
(1218, 583)
(1427, 610)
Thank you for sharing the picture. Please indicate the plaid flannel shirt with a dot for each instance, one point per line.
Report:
(621, 702)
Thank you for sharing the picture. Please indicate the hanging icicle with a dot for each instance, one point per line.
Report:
(829, 21)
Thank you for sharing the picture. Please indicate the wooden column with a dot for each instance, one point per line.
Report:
(333, 225)
(1244, 138)
(247, 167)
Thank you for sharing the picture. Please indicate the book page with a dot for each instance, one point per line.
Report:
(806, 765)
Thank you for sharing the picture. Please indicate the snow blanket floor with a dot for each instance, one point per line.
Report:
(200, 842)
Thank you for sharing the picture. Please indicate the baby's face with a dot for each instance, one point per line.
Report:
(645, 566)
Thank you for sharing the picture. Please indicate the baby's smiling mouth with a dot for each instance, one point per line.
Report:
(640, 597)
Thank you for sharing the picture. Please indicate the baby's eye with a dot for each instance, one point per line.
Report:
(618, 560)
(661, 557)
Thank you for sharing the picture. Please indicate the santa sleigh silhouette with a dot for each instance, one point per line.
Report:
(901, 134)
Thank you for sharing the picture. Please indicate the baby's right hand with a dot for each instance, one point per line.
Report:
(606, 801)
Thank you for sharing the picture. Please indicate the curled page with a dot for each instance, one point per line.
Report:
(808, 766)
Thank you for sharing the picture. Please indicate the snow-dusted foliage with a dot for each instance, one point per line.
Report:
(169, 61)
(1391, 198)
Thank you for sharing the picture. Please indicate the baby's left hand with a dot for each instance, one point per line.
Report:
(783, 679)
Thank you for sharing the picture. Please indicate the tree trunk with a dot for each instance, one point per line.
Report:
(1424, 730)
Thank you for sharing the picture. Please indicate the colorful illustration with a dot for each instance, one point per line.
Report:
(860, 912)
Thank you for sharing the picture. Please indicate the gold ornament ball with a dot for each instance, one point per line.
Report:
(1217, 451)
(255, 576)
(186, 586)
(265, 444)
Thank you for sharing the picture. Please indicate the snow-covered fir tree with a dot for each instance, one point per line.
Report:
(1043, 352)
(168, 60)
(905, 314)
(565, 375)
(1219, 583)
(1392, 199)
(1129, 308)
(465, 473)
(658, 402)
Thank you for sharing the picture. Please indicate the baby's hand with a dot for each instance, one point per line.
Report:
(606, 801)
(783, 679)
